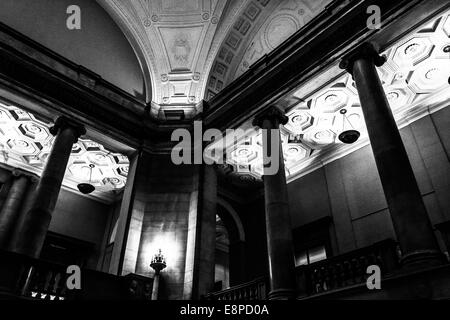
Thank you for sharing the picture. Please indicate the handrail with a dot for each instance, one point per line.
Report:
(347, 269)
(336, 272)
(256, 289)
(23, 277)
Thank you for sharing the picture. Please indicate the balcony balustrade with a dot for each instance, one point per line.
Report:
(347, 269)
(334, 273)
(22, 277)
(253, 290)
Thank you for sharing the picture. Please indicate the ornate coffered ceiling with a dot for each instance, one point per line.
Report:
(191, 49)
(261, 27)
(25, 143)
(415, 79)
(173, 39)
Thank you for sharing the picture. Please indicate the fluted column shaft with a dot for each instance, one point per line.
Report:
(409, 216)
(11, 208)
(37, 220)
(278, 220)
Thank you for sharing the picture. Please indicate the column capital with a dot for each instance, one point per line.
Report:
(63, 123)
(274, 114)
(16, 173)
(368, 51)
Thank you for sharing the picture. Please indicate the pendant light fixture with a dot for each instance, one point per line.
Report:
(348, 136)
(86, 188)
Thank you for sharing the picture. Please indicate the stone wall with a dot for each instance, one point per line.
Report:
(349, 189)
(99, 46)
(160, 220)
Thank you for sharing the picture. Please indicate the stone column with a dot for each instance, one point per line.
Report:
(409, 216)
(125, 248)
(35, 224)
(278, 220)
(201, 242)
(11, 209)
(206, 233)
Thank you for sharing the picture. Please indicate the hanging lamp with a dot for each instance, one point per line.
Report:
(348, 136)
(86, 188)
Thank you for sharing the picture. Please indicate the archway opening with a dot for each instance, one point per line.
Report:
(230, 248)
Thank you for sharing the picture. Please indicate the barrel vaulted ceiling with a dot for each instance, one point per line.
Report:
(191, 49)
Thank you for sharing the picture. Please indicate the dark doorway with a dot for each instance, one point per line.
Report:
(66, 250)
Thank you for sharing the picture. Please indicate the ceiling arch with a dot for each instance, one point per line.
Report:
(123, 18)
(99, 45)
(192, 49)
(261, 26)
(174, 40)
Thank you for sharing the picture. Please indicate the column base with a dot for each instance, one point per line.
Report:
(282, 294)
(422, 259)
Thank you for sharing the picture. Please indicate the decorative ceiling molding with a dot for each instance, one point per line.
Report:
(190, 50)
(415, 79)
(174, 38)
(261, 26)
(25, 142)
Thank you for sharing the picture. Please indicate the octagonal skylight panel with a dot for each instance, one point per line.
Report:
(34, 131)
(332, 100)
(294, 152)
(430, 76)
(299, 121)
(23, 147)
(413, 51)
(399, 97)
(318, 137)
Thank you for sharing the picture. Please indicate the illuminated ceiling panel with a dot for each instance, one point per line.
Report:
(415, 79)
(25, 143)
